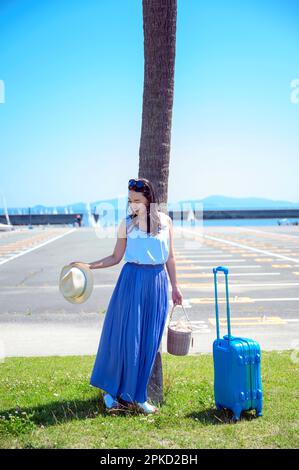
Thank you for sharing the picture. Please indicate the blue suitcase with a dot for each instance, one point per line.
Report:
(237, 366)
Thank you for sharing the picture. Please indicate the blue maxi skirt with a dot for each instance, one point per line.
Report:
(132, 332)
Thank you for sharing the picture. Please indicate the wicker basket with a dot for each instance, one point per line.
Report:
(178, 342)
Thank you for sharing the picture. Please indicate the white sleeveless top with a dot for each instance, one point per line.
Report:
(144, 248)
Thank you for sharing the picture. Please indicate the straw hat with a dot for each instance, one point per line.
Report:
(76, 282)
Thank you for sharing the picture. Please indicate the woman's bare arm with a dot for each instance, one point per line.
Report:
(171, 268)
(170, 264)
(103, 263)
(118, 251)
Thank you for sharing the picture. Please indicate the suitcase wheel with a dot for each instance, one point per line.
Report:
(237, 413)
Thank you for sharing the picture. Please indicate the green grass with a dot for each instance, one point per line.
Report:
(47, 402)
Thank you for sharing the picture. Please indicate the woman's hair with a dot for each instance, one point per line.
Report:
(153, 219)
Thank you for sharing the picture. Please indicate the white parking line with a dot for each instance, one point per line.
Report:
(242, 266)
(20, 289)
(231, 274)
(36, 247)
(186, 285)
(216, 261)
(293, 237)
(195, 250)
(193, 268)
(247, 247)
(277, 299)
(241, 300)
(224, 255)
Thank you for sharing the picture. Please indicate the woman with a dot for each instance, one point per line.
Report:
(138, 308)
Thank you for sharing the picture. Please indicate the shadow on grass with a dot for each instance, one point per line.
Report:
(218, 417)
(18, 420)
(56, 412)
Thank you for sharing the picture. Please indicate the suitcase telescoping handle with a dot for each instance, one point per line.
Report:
(225, 271)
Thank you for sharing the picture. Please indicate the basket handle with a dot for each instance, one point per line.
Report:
(172, 310)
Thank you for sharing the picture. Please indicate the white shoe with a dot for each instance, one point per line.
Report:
(146, 407)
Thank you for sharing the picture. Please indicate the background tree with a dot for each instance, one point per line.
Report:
(159, 28)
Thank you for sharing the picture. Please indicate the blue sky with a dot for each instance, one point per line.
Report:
(73, 75)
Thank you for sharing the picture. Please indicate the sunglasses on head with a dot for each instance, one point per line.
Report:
(136, 184)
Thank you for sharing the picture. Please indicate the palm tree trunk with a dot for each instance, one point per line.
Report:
(159, 27)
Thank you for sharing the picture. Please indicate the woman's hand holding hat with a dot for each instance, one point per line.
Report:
(76, 282)
(79, 262)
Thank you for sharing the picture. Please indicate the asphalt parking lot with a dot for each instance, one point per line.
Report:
(263, 265)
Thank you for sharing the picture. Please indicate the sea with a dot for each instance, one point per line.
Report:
(238, 222)
(249, 222)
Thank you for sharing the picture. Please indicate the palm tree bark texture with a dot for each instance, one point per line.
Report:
(159, 28)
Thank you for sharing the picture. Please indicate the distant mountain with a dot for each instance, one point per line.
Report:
(219, 202)
(215, 202)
